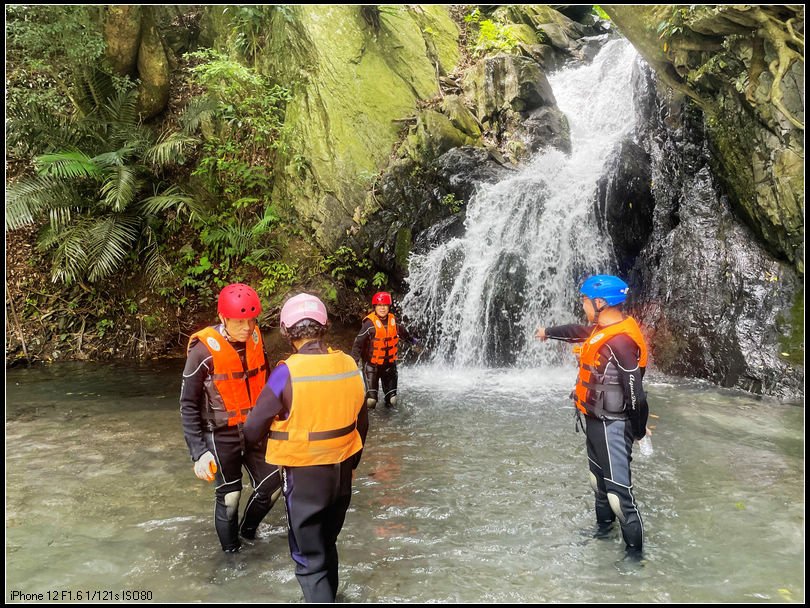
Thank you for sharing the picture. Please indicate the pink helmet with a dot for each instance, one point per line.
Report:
(303, 306)
(239, 301)
(381, 297)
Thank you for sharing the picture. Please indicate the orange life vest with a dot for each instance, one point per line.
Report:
(231, 389)
(327, 394)
(386, 338)
(588, 391)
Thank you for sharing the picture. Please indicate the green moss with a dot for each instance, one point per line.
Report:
(403, 248)
(793, 344)
(352, 85)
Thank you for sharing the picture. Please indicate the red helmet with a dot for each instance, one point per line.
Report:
(381, 297)
(239, 301)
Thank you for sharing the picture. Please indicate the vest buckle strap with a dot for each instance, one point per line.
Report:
(316, 435)
(604, 388)
(322, 435)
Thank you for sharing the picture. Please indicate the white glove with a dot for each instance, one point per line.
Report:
(205, 467)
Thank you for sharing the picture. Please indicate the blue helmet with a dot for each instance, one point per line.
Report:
(611, 289)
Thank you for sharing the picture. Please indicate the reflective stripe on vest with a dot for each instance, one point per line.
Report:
(386, 338)
(327, 394)
(589, 361)
(235, 388)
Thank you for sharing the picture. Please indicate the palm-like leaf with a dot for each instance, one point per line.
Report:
(170, 149)
(115, 157)
(199, 114)
(91, 189)
(156, 268)
(69, 255)
(36, 129)
(171, 199)
(120, 187)
(26, 200)
(121, 109)
(67, 165)
(94, 88)
(109, 241)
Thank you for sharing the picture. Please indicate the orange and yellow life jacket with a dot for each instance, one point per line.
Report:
(588, 389)
(231, 389)
(327, 394)
(386, 338)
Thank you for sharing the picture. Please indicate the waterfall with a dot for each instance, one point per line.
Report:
(530, 239)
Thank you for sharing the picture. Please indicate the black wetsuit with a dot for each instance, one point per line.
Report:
(385, 373)
(609, 437)
(227, 444)
(317, 497)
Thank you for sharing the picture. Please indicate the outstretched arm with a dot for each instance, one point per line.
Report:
(565, 333)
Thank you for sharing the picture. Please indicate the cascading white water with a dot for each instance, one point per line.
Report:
(530, 239)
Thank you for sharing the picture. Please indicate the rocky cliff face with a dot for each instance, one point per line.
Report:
(389, 136)
(742, 66)
(718, 304)
(356, 74)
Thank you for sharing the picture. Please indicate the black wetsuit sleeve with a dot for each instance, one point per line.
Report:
(569, 333)
(192, 398)
(275, 398)
(362, 428)
(361, 342)
(625, 354)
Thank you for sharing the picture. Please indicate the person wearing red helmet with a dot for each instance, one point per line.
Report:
(226, 369)
(377, 347)
(313, 419)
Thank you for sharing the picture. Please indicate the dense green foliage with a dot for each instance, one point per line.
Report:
(101, 187)
(492, 36)
(47, 47)
(239, 120)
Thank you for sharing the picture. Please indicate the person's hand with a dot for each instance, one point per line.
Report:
(205, 467)
(540, 334)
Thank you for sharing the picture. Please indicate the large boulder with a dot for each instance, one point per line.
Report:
(743, 66)
(356, 76)
(716, 302)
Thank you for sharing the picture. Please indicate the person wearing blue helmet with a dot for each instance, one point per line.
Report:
(609, 394)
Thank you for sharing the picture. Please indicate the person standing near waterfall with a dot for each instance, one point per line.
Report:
(375, 350)
(226, 369)
(610, 395)
(313, 417)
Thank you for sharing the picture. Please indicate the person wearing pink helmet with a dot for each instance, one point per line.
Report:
(226, 369)
(313, 418)
(376, 346)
